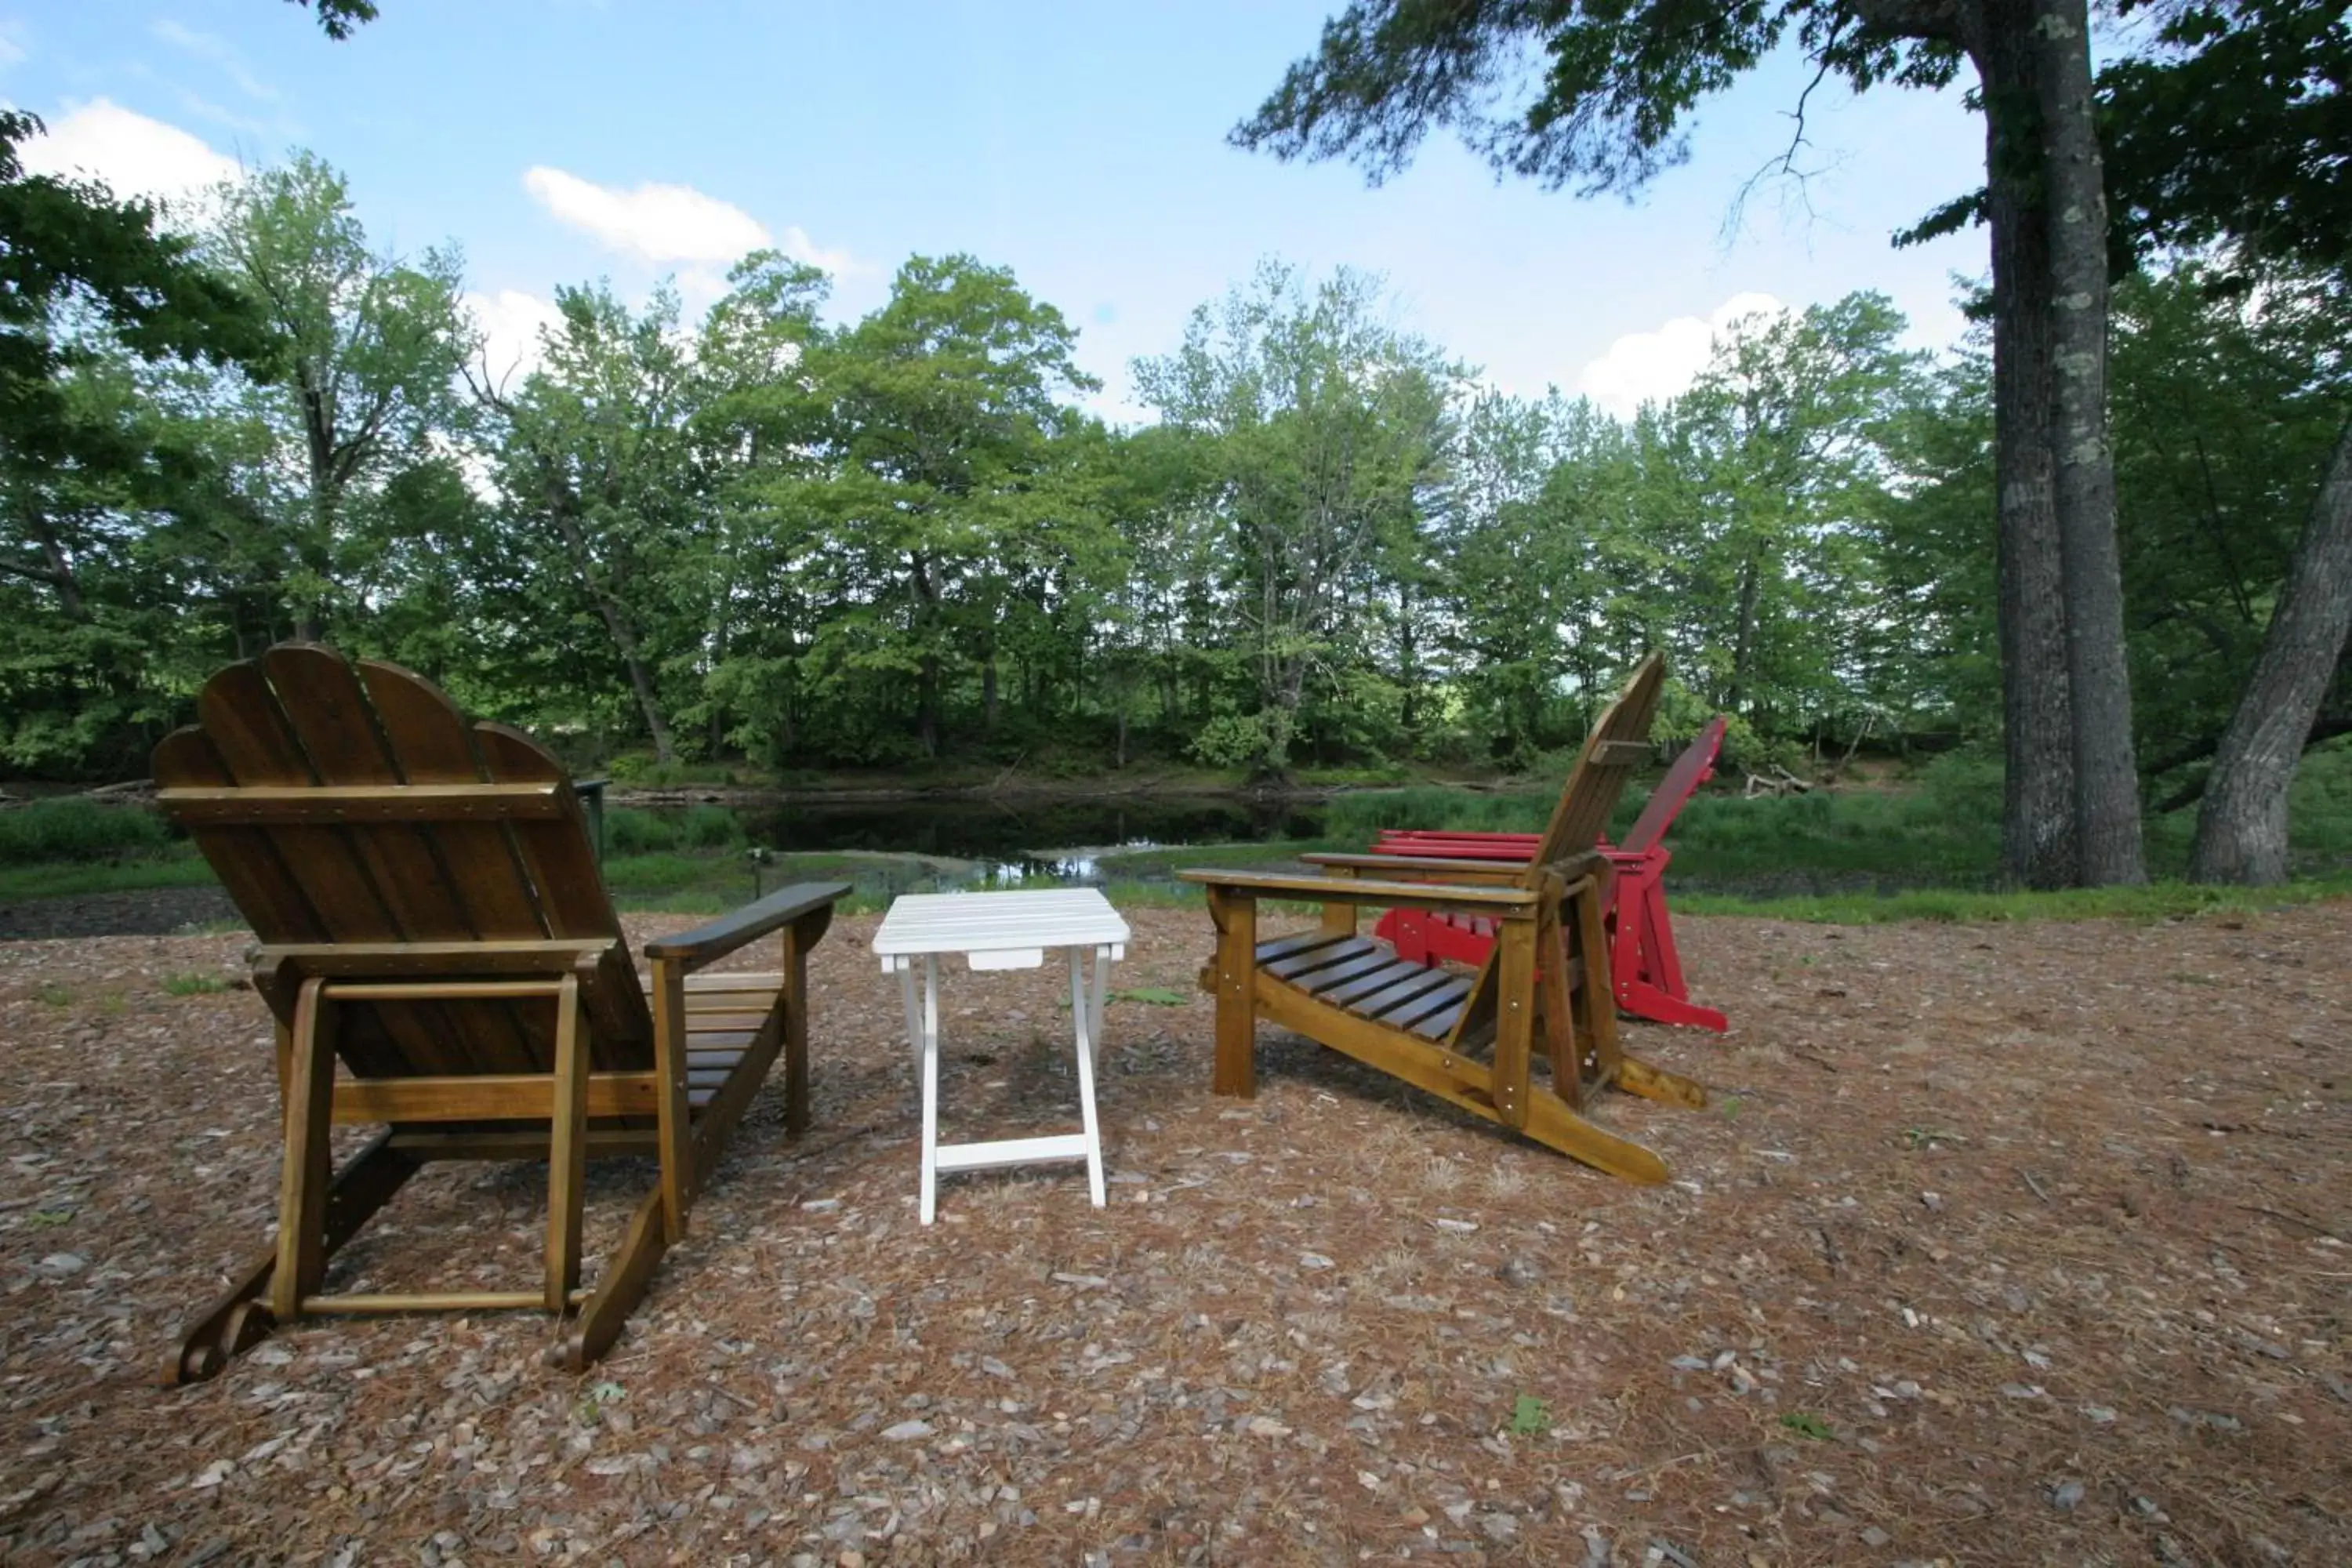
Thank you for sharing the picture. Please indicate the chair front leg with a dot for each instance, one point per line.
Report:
(674, 1110)
(1515, 1000)
(1234, 913)
(798, 938)
(567, 1149)
(306, 1171)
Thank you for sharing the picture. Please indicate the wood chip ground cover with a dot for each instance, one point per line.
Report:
(2021, 1244)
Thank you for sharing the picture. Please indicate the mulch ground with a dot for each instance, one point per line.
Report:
(2000, 1245)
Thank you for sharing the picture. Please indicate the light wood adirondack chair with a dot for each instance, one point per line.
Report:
(1642, 957)
(432, 918)
(1430, 1027)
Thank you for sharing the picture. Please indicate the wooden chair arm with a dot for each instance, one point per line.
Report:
(1507, 902)
(690, 950)
(1401, 868)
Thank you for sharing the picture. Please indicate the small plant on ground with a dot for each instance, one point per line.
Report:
(1805, 1423)
(1151, 996)
(599, 1394)
(53, 994)
(1528, 1416)
(194, 984)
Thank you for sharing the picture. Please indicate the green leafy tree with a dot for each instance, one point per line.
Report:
(1596, 96)
(943, 415)
(370, 356)
(98, 302)
(1780, 438)
(596, 462)
(1325, 425)
(2233, 133)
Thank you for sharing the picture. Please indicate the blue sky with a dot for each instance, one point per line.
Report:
(1081, 144)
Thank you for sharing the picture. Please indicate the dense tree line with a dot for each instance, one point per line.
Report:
(765, 533)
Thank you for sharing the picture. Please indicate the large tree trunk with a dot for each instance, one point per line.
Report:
(2098, 680)
(2038, 843)
(2242, 827)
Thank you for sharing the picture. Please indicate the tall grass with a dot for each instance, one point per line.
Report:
(53, 830)
(631, 832)
(1939, 830)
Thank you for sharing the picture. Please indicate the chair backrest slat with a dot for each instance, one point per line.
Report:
(1611, 754)
(1616, 748)
(1673, 792)
(251, 735)
(447, 872)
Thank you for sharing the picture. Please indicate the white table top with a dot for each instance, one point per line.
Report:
(998, 922)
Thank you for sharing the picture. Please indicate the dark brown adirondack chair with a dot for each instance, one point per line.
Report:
(432, 918)
(1548, 969)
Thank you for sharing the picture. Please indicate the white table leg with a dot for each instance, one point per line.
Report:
(1102, 993)
(1085, 1013)
(923, 1030)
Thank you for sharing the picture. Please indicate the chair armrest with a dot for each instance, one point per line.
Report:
(1352, 891)
(1405, 867)
(708, 944)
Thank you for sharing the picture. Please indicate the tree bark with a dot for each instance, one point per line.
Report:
(2038, 834)
(57, 569)
(2098, 679)
(2242, 828)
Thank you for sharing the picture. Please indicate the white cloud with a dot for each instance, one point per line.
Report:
(1642, 367)
(11, 51)
(659, 223)
(134, 155)
(204, 46)
(795, 243)
(511, 321)
(671, 223)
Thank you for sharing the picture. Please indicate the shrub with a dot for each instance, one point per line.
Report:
(78, 830)
(711, 828)
(631, 832)
(628, 831)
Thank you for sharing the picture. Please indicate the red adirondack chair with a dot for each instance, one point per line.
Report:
(1642, 956)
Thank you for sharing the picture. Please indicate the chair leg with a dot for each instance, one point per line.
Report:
(1235, 918)
(1558, 1009)
(1514, 1020)
(301, 1265)
(626, 1275)
(567, 1149)
(672, 1118)
(240, 1318)
(796, 1056)
(1600, 996)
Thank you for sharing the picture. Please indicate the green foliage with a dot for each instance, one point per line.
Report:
(1805, 1423)
(1528, 1416)
(634, 832)
(194, 984)
(54, 830)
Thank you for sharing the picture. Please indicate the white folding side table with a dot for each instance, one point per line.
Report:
(1002, 931)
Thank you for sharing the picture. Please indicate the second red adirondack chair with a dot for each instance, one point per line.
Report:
(1641, 957)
